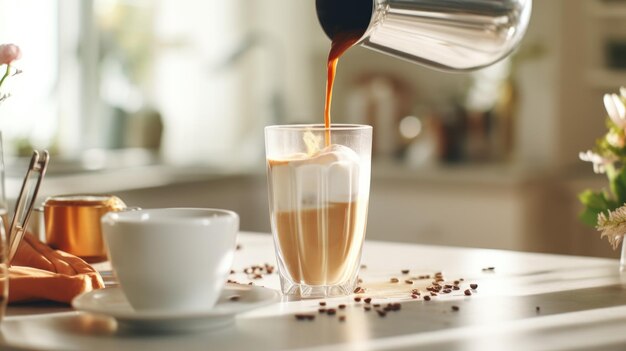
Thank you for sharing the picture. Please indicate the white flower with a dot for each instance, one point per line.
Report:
(615, 108)
(599, 162)
(613, 226)
(615, 140)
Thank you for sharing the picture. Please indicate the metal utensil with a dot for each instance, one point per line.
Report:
(26, 200)
(454, 35)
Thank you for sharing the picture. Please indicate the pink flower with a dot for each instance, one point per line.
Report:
(9, 53)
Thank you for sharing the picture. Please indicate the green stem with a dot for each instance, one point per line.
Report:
(6, 74)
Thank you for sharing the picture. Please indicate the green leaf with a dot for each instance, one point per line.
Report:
(589, 216)
(618, 186)
(595, 200)
(594, 204)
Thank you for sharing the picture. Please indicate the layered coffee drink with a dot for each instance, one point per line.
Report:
(319, 183)
(318, 206)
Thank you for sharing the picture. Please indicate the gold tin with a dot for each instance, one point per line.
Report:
(73, 224)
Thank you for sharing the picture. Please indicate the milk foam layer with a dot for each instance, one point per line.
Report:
(301, 181)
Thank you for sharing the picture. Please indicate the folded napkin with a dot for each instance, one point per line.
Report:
(40, 273)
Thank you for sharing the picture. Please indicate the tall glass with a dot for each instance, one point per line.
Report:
(319, 183)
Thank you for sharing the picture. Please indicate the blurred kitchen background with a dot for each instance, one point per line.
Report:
(164, 102)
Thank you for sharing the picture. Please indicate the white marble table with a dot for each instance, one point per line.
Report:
(581, 306)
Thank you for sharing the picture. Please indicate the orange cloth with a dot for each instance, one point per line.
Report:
(40, 273)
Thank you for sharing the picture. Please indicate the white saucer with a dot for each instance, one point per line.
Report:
(112, 302)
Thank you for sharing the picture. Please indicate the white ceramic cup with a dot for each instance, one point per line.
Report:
(171, 259)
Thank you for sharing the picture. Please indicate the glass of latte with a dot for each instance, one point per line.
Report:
(319, 181)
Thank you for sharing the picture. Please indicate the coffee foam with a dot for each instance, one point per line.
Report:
(300, 181)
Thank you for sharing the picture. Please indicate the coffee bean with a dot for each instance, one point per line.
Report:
(342, 306)
(456, 282)
(234, 298)
(303, 317)
(414, 296)
(537, 309)
(367, 299)
(238, 247)
(405, 271)
(381, 313)
(467, 292)
(447, 291)
(427, 298)
(342, 318)
(331, 311)
(367, 308)
(363, 266)
(232, 271)
(322, 310)
(455, 308)
(408, 281)
(489, 269)
(394, 280)
(357, 299)
(376, 305)
(322, 303)
(359, 290)
(474, 286)
(456, 288)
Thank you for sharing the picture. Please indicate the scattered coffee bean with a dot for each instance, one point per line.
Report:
(342, 306)
(461, 279)
(232, 271)
(405, 271)
(322, 303)
(446, 291)
(456, 288)
(438, 280)
(448, 286)
(357, 299)
(359, 290)
(257, 276)
(489, 269)
(433, 294)
(537, 309)
(238, 247)
(427, 298)
(363, 266)
(342, 318)
(414, 296)
(234, 298)
(394, 280)
(415, 291)
(367, 300)
(367, 308)
(381, 313)
(474, 286)
(439, 274)
(387, 308)
(251, 283)
(331, 311)
(360, 281)
(456, 282)
(467, 292)
(455, 308)
(408, 281)
(376, 305)
(305, 317)
(322, 310)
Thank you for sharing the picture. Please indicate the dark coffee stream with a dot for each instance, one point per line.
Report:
(345, 22)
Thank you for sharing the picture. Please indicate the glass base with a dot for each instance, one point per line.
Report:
(316, 291)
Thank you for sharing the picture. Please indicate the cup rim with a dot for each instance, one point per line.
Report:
(319, 127)
(155, 216)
